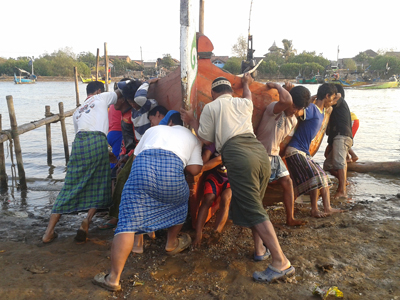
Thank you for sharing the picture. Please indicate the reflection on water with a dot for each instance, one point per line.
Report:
(377, 139)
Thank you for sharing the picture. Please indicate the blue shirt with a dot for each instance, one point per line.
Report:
(307, 129)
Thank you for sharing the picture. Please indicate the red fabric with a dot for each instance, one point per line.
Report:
(114, 119)
(212, 186)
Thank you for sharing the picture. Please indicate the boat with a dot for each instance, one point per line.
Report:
(393, 82)
(313, 80)
(168, 92)
(93, 78)
(24, 79)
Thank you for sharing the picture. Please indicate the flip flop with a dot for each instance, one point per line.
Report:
(100, 280)
(184, 242)
(272, 274)
(81, 234)
(262, 257)
(55, 235)
(106, 226)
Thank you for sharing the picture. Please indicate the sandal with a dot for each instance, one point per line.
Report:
(100, 280)
(272, 274)
(184, 242)
(265, 256)
(106, 226)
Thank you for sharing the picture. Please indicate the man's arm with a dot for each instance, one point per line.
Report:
(187, 117)
(285, 99)
(208, 163)
(246, 81)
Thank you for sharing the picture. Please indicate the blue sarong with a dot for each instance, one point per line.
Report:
(155, 195)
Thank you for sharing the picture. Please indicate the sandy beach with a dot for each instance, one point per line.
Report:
(356, 251)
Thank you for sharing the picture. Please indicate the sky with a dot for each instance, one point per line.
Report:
(149, 29)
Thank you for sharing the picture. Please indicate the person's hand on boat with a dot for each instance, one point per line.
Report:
(153, 80)
(247, 79)
(187, 116)
(288, 86)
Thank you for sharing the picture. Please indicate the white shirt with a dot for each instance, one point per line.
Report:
(92, 115)
(224, 118)
(177, 139)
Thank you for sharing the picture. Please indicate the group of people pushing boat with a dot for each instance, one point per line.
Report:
(149, 190)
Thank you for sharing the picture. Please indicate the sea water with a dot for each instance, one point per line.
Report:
(377, 140)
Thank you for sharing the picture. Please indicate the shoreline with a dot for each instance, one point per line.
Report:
(356, 251)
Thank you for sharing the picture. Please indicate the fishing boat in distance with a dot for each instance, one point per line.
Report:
(93, 78)
(393, 82)
(24, 77)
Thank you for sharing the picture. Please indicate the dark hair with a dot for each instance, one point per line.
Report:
(301, 96)
(176, 119)
(223, 88)
(159, 108)
(326, 89)
(93, 86)
(340, 89)
(130, 89)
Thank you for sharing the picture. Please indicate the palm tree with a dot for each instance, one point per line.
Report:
(288, 50)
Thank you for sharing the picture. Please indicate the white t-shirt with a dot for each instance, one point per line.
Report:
(177, 139)
(92, 115)
(224, 118)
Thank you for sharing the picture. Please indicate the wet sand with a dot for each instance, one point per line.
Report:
(357, 251)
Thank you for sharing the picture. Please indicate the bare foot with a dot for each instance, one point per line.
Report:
(47, 238)
(318, 214)
(137, 249)
(294, 222)
(331, 211)
(340, 195)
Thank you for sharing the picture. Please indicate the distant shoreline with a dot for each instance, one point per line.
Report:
(66, 78)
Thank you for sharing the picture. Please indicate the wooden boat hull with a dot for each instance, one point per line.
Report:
(18, 80)
(167, 91)
(381, 85)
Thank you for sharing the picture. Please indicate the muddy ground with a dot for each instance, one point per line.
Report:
(357, 251)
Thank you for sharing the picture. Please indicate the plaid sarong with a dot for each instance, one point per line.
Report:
(88, 179)
(155, 195)
(306, 174)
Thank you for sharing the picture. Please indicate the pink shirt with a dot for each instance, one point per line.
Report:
(114, 119)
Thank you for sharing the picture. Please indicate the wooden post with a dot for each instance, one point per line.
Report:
(64, 131)
(76, 86)
(17, 145)
(201, 17)
(106, 66)
(3, 175)
(48, 137)
(97, 64)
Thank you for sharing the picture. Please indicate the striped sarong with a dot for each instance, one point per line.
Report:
(306, 174)
(155, 195)
(88, 179)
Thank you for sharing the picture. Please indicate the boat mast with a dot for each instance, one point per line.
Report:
(250, 38)
(201, 17)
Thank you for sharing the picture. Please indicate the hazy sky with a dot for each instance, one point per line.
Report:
(44, 26)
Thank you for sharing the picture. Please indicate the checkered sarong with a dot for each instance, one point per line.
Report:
(88, 180)
(155, 195)
(305, 173)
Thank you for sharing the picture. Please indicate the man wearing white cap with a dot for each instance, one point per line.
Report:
(226, 121)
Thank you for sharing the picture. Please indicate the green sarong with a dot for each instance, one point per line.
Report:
(88, 179)
(122, 177)
(248, 167)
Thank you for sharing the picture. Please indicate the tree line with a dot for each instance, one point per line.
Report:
(63, 61)
(285, 62)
